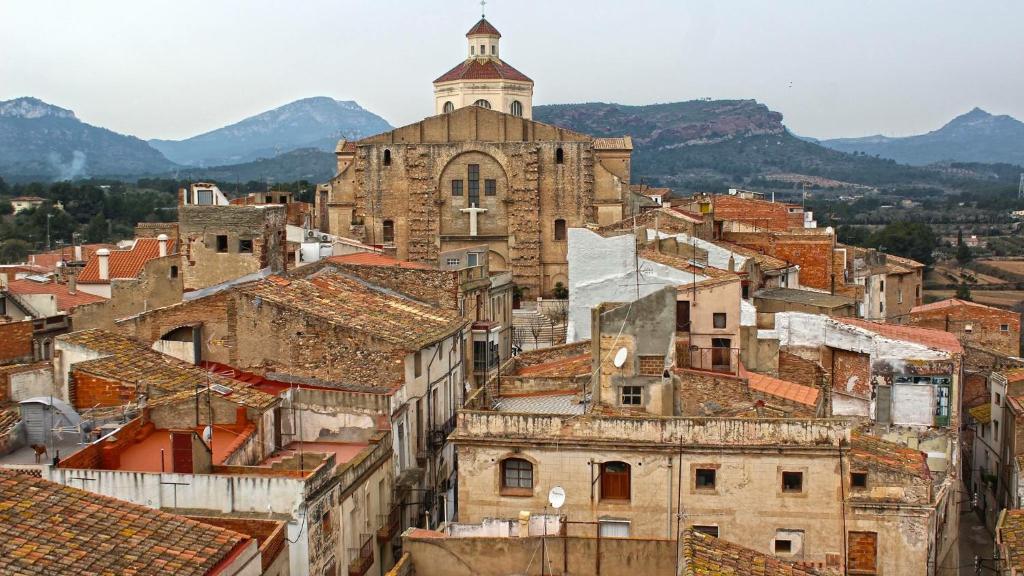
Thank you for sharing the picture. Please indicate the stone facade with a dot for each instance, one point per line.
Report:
(534, 181)
(976, 325)
(159, 284)
(221, 243)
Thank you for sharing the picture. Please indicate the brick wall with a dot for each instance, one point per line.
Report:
(694, 388)
(852, 373)
(652, 365)
(812, 252)
(106, 455)
(16, 342)
(760, 213)
(88, 390)
(985, 326)
(793, 368)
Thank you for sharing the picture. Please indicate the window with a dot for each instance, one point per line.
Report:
(483, 49)
(516, 473)
(559, 229)
(968, 328)
(456, 187)
(453, 262)
(1004, 327)
(709, 530)
(783, 546)
(881, 307)
(615, 481)
(204, 197)
(174, 271)
(490, 187)
(417, 363)
(482, 103)
(268, 200)
(222, 243)
(516, 108)
(631, 396)
(682, 316)
(473, 259)
(899, 296)
(472, 50)
(245, 245)
(387, 157)
(792, 481)
(614, 528)
(474, 184)
(559, 156)
(859, 479)
(704, 478)
(719, 319)
(745, 292)
(494, 50)
(999, 399)
(449, 107)
(995, 429)
(325, 522)
(389, 231)
(881, 285)
(917, 291)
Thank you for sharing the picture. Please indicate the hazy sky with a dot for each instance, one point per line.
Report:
(172, 69)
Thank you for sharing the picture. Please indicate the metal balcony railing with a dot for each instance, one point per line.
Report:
(362, 557)
(389, 524)
(724, 360)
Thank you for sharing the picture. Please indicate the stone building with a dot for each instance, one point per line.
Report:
(978, 326)
(479, 176)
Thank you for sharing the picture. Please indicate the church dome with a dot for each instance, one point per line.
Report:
(483, 28)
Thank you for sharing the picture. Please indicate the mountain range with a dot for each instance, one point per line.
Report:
(695, 145)
(976, 136)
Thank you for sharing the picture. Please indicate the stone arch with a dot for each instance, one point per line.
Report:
(496, 262)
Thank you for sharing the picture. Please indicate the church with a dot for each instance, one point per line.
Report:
(480, 172)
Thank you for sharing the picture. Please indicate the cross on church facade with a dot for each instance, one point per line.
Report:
(473, 211)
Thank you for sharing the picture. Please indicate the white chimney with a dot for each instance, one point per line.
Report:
(78, 252)
(103, 255)
(162, 239)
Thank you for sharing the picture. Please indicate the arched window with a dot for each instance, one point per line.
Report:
(387, 157)
(517, 108)
(449, 107)
(516, 474)
(615, 481)
(559, 229)
(559, 156)
(47, 349)
(389, 231)
(482, 103)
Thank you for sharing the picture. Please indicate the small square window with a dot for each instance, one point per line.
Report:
(968, 328)
(174, 271)
(705, 478)
(472, 258)
(1004, 327)
(859, 479)
(490, 187)
(719, 319)
(792, 481)
(245, 245)
(709, 530)
(222, 243)
(453, 262)
(632, 395)
(783, 546)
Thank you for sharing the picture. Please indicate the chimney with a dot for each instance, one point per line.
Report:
(162, 239)
(72, 283)
(103, 255)
(78, 252)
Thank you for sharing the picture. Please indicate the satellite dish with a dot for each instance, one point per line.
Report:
(620, 357)
(208, 434)
(556, 497)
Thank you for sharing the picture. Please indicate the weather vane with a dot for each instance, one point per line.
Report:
(483, 7)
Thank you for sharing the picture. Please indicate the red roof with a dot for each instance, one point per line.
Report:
(66, 301)
(954, 302)
(485, 69)
(50, 259)
(483, 28)
(373, 259)
(925, 336)
(781, 388)
(123, 263)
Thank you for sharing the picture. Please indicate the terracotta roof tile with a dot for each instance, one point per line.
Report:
(51, 258)
(1010, 534)
(781, 388)
(483, 27)
(955, 303)
(707, 555)
(559, 368)
(123, 263)
(373, 259)
(47, 528)
(982, 413)
(134, 363)
(925, 336)
(66, 301)
(867, 450)
(483, 69)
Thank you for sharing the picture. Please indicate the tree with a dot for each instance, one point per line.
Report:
(912, 240)
(98, 229)
(963, 292)
(14, 250)
(560, 291)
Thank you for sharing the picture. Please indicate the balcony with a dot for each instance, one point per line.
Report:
(389, 524)
(439, 434)
(362, 557)
(725, 360)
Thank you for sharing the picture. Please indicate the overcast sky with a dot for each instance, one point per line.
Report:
(175, 68)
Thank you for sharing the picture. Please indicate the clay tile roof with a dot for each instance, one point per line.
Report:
(684, 264)
(373, 259)
(483, 28)
(560, 368)
(982, 413)
(791, 391)
(707, 555)
(953, 303)
(483, 69)
(340, 300)
(123, 263)
(9, 418)
(66, 301)
(925, 336)
(618, 143)
(47, 528)
(133, 362)
(50, 259)
(871, 451)
(1010, 535)
(1013, 375)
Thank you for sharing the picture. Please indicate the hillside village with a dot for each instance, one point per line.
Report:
(484, 348)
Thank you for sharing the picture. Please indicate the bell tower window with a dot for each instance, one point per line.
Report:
(516, 108)
(449, 107)
(482, 103)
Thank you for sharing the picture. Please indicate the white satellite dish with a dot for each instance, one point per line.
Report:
(556, 497)
(208, 434)
(620, 357)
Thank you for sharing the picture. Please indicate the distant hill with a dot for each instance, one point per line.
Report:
(704, 144)
(308, 123)
(308, 164)
(976, 136)
(40, 141)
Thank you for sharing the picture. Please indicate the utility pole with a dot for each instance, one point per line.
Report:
(50, 215)
(1020, 187)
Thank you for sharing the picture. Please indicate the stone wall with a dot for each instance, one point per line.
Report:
(159, 284)
(199, 227)
(984, 323)
(436, 287)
